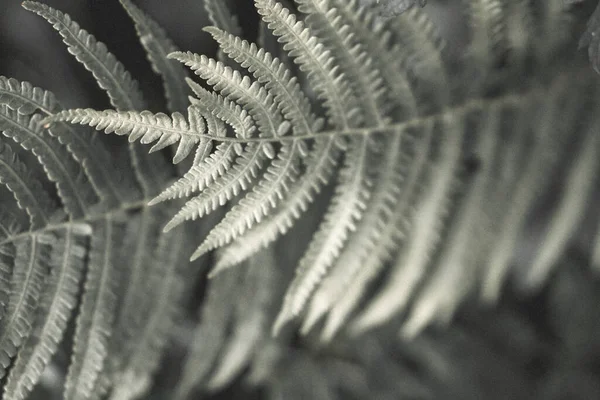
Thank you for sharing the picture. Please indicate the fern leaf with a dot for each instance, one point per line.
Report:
(456, 265)
(57, 303)
(233, 86)
(145, 126)
(221, 17)
(75, 193)
(251, 315)
(392, 237)
(346, 209)
(312, 57)
(362, 242)
(145, 336)
(255, 206)
(24, 97)
(374, 37)
(109, 73)
(158, 46)
(432, 212)
(27, 190)
(225, 187)
(288, 96)
(209, 334)
(354, 63)
(321, 163)
(85, 149)
(31, 266)
(98, 308)
(530, 182)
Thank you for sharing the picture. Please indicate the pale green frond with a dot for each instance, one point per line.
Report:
(226, 110)
(320, 167)
(545, 143)
(486, 28)
(257, 204)
(519, 30)
(360, 245)
(75, 192)
(158, 46)
(393, 234)
(233, 86)
(422, 52)
(454, 274)
(147, 127)
(84, 148)
(372, 34)
(28, 191)
(344, 212)
(109, 73)
(201, 175)
(312, 56)
(24, 97)
(431, 214)
(288, 96)
(146, 337)
(94, 323)
(241, 176)
(556, 26)
(354, 62)
(32, 261)
(58, 301)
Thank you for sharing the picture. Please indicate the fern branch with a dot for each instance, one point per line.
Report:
(27, 189)
(158, 46)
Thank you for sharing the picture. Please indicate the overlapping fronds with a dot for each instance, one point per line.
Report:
(433, 193)
(96, 247)
(409, 180)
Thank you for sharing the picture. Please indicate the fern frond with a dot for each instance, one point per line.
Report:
(215, 317)
(221, 17)
(147, 127)
(321, 163)
(256, 205)
(354, 62)
(140, 339)
(373, 36)
(27, 99)
(31, 266)
(431, 213)
(75, 192)
(24, 97)
(348, 204)
(310, 54)
(109, 73)
(28, 191)
(252, 319)
(239, 177)
(233, 86)
(158, 46)
(98, 307)
(58, 301)
(289, 98)
(570, 212)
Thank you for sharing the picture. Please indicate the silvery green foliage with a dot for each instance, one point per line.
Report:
(372, 185)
